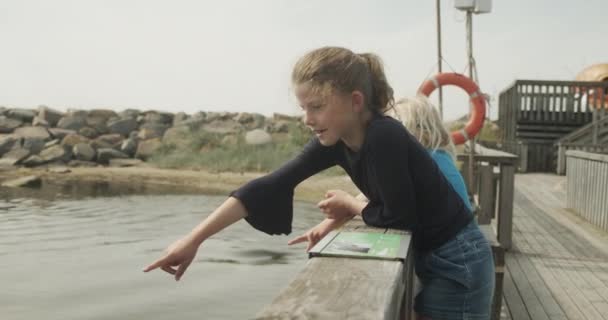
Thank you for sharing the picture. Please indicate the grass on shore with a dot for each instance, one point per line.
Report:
(214, 153)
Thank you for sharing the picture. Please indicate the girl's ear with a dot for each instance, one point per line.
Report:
(358, 101)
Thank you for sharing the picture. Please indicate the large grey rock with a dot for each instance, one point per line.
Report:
(104, 155)
(72, 122)
(102, 113)
(257, 137)
(222, 116)
(14, 156)
(158, 117)
(152, 130)
(8, 125)
(129, 146)
(88, 132)
(33, 161)
(251, 120)
(99, 124)
(28, 181)
(34, 145)
(98, 119)
(51, 143)
(84, 152)
(77, 113)
(147, 148)
(113, 140)
(48, 115)
(7, 142)
(73, 139)
(25, 115)
(56, 153)
(177, 136)
(123, 126)
(38, 122)
(59, 133)
(33, 132)
(129, 114)
(222, 126)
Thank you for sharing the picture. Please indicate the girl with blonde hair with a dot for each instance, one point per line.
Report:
(422, 120)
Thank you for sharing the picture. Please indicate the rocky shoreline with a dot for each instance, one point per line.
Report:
(87, 138)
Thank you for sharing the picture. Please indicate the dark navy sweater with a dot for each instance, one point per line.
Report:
(405, 188)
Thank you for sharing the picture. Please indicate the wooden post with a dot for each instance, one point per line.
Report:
(498, 253)
(486, 194)
(523, 157)
(505, 205)
(561, 159)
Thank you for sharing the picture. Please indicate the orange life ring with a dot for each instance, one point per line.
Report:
(478, 113)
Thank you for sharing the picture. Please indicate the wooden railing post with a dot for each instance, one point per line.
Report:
(505, 205)
(561, 159)
(486, 194)
(523, 157)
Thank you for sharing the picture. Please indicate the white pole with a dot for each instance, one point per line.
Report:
(439, 56)
(471, 63)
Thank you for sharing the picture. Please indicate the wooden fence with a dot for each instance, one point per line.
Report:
(587, 176)
(590, 138)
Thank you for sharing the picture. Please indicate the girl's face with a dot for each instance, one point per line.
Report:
(332, 117)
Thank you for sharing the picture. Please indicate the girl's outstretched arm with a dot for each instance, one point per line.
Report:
(180, 254)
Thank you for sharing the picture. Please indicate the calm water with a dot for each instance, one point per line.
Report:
(81, 258)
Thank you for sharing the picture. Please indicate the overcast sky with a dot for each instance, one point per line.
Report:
(237, 55)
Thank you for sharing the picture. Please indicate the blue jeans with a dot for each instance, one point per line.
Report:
(457, 278)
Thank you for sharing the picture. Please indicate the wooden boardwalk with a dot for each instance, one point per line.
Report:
(558, 265)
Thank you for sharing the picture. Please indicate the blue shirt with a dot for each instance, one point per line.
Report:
(448, 168)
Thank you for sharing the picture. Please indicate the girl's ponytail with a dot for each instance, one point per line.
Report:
(381, 92)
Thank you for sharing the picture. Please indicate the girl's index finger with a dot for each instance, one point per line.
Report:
(158, 263)
(299, 239)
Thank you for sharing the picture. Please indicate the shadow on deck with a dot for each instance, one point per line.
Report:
(557, 267)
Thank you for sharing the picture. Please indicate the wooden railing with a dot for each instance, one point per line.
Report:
(587, 176)
(348, 288)
(549, 104)
(351, 288)
(592, 137)
(534, 114)
(492, 187)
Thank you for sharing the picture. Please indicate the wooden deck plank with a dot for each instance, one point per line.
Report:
(558, 260)
(562, 298)
(586, 264)
(516, 305)
(504, 312)
(564, 289)
(533, 304)
(572, 270)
